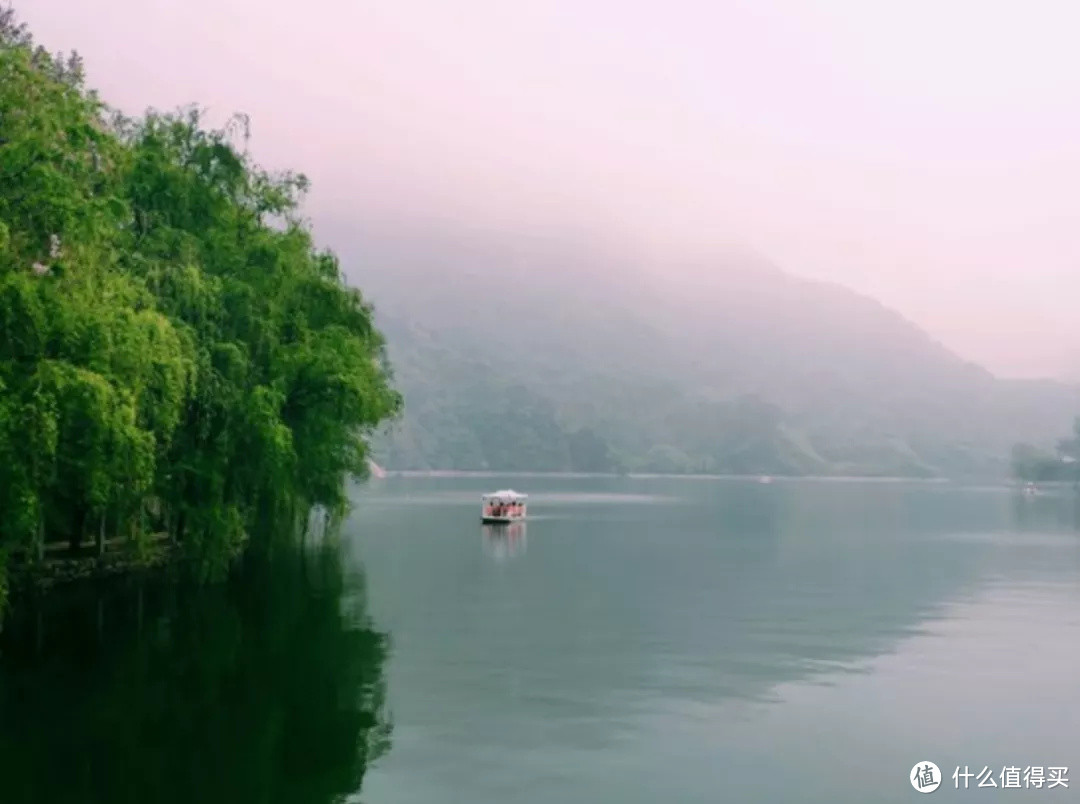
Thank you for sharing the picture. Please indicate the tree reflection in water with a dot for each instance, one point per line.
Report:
(268, 689)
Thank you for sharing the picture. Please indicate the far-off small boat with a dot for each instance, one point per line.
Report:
(503, 506)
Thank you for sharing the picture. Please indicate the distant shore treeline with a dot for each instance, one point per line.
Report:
(523, 355)
(175, 355)
(1034, 465)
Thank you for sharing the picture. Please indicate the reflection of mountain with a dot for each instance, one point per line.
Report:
(720, 590)
(853, 574)
(262, 690)
(1060, 506)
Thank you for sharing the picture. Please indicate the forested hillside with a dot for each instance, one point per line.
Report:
(519, 353)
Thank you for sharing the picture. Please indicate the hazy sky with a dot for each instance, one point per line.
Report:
(926, 152)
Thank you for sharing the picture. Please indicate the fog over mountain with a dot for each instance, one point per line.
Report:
(514, 351)
(639, 227)
(923, 153)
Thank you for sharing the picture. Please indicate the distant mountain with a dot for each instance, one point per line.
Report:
(519, 353)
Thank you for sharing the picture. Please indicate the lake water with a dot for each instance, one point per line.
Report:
(637, 640)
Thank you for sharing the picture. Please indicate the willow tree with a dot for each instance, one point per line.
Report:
(175, 353)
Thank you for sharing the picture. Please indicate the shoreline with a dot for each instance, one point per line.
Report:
(470, 473)
(61, 569)
(28, 580)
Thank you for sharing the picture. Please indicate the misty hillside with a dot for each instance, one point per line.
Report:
(520, 354)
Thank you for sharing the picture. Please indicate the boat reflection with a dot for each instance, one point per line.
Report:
(504, 542)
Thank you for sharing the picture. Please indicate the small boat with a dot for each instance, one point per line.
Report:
(502, 507)
(764, 480)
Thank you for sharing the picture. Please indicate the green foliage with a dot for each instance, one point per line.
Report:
(481, 413)
(175, 353)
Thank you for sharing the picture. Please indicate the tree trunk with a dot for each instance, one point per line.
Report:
(39, 547)
(167, 523)
(101, 536)
(78, 525)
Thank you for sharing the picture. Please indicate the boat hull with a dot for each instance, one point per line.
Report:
(500, 520)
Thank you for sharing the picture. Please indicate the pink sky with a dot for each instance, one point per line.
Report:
(926, 153)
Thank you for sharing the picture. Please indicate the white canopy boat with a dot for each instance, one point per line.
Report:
(503, 506)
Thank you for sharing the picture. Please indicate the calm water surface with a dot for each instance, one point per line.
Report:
(694, 640)
(636, 640)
